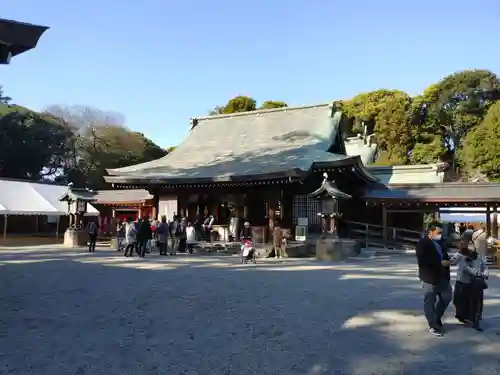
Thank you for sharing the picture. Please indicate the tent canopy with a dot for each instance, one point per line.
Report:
(31, 198)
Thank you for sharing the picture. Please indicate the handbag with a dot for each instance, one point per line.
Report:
(480, 283)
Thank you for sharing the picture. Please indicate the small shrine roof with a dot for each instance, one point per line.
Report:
(78, 193)
(330, 189)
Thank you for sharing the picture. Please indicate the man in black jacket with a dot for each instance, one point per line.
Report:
(434, 273)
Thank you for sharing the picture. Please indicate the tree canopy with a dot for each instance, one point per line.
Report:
(244, 104)
(455, 120)
(429, 127)
(68, 144)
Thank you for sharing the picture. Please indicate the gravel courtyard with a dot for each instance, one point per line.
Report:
(70, 312)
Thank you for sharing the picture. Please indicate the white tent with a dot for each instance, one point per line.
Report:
(31, 198)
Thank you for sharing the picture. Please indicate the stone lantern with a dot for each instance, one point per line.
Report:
(330, 195)
(77, 200)
(329, 246)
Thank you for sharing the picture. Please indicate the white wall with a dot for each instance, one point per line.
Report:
(167, 205)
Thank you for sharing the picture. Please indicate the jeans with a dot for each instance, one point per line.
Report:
(173, 245)
(119, 243)
(436, 300)
(162, 246)
(143, 244)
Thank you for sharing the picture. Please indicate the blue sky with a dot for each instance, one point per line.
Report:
(161, 62)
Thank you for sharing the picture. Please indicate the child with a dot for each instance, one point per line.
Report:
(190, 237)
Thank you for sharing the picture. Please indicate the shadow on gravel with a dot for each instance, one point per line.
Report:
(104, 314)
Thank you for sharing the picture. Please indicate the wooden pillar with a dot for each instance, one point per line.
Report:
(5, 218)
(287, 208)
(384, 226)
(488, 220)
(494, 224)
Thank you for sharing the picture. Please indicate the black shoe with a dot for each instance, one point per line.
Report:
(436, 332)
(478, 328)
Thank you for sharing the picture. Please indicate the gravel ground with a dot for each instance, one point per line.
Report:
(70, 312)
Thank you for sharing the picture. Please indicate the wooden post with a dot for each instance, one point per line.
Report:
(488, 220)
(5, 217)
(57, 226)
(384, 226)
(367, 235)
(36, 224)
(494, 224)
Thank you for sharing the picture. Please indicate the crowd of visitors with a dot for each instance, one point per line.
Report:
(169, 237)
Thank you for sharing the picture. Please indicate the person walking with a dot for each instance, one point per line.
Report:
(162, 235)
(92, 231)
(131, 238)
(434, 273)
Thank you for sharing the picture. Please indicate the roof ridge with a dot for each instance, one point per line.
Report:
(259, 111)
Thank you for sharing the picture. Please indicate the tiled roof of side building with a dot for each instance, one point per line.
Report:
(443, 192)
(252, 144)
(122, 196)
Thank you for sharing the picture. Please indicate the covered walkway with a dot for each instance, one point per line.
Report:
(456, 198)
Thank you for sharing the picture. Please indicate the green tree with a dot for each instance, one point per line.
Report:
(100, 141)
(482, 145)
(270, 104)
(393, 130)
(458, 103)
(364, 108)
(32, 145)
(240, 104)
(3, 99)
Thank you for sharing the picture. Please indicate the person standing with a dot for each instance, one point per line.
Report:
(181, 235)
(207, 227)
(92, 231)
(278, 240)
(173, 241)
(480, 241)
(162, 235)
(190, 237)
(130, 237)
(120, 235)
(144, 236)
(434, 273)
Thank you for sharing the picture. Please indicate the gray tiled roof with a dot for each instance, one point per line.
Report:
(122, 196)
(445, 192)
(246, 144)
